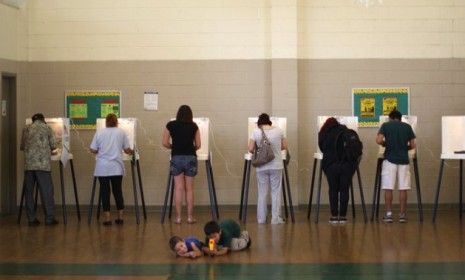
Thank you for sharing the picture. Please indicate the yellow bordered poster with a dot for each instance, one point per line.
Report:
(370, 103)
(83, 107)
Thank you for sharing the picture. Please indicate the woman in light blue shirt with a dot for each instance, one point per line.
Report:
(109, 167)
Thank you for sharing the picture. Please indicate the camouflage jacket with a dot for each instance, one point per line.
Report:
(37, 142)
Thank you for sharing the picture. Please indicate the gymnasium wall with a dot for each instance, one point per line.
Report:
(231, 60)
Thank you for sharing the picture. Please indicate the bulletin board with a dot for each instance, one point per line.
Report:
(85, 106)
(371, 103)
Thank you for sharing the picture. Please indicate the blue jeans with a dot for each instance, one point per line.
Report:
(183, 164)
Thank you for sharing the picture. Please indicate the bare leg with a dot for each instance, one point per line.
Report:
(388, 200)
(190, 197)
(106, 216)
(178, 194)
(403, 201)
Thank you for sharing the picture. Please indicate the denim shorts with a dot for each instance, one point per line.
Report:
(183, 164)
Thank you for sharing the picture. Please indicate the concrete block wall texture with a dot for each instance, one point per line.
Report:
(231, 60)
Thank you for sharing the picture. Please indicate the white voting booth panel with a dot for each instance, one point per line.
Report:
(411, 120)
(129, 127)
(204, 128)
(276, 121)
(349, 121)
(453, 137)
(60, 128)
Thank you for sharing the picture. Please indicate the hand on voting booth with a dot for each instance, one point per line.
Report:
(129, 127)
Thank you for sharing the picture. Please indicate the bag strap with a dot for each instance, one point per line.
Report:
(264, 135)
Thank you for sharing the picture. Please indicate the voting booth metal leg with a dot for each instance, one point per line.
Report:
(362, 196)
(352, 198)
(283, 187)
(141, 189)
(245, 200)
(134, 188)
(91, 204)
(310, 197)
(76, 198)
(289, 195)
(417, 181)
(376, 189)
(211, 191)
(20, 211)
(63, 199)
(169, 185)
(436, 200)
(318, 196)
(242, 190)
(461, 190)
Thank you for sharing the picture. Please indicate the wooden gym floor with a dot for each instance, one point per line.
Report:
(303, 250)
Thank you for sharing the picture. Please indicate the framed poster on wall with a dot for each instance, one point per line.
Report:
(83, 107)
(368, 104)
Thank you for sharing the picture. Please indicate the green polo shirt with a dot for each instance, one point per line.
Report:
(397, 135)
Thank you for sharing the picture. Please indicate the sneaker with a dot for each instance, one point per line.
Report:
(278, 221)
(33, 223)
(51, 223)
(387, 218)
(402, 218)
(334, 220)
(119, 221)
(342, 220)
(249, 243)
(107, 223)
(245, 235)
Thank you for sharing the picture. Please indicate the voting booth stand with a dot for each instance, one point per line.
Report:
(129, 126)
(203, 154)
(412, 121)
(352, 123)
(287, 197)
(60, 128)
(453, 148)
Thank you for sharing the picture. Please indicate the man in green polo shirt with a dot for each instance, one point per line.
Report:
(398, 137)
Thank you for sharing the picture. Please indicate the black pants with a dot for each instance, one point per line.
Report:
(339, 177)
(117, 191)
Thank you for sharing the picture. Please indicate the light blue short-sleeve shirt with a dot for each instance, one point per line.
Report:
(109, 144)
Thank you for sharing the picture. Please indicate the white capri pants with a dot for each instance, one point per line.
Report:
(269, 179)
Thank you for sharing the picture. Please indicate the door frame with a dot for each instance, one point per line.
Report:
(9, 196)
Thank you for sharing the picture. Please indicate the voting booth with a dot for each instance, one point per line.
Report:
(412, 121)
(129, 126)
(352, 123)
(61, 131)
(452, 148)
(287, 197)
(203, 154)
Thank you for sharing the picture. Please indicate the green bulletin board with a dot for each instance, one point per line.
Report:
(84, 107)
(371, 103)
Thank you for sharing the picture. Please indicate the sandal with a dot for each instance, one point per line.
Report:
(177, 221)
(191, 220)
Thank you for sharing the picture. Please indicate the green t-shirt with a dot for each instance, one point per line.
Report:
(229, 229)
(397, 135)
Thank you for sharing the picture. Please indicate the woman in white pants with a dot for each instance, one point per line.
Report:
(269, 175)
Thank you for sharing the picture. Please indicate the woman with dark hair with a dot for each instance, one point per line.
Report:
(109, 167)
(182, 136)
(338, 172)
(269, 175)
